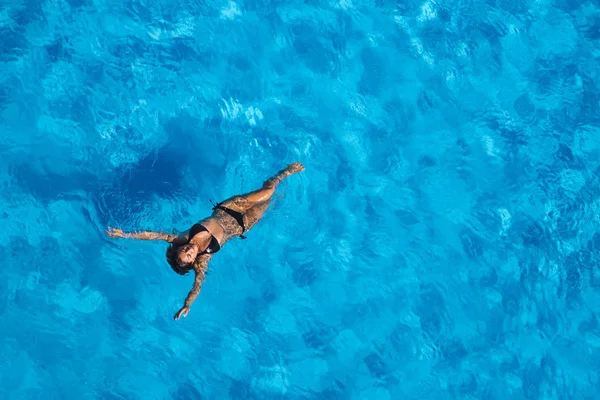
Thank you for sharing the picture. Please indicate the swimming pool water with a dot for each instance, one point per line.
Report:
(442, 243)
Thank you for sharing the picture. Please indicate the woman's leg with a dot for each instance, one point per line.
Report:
(246, 201)
(254, 214)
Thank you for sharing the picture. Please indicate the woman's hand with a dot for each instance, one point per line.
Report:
(115, 233)
(182, 312)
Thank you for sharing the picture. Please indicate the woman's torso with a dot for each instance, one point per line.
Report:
(235, 217)
(230, 225)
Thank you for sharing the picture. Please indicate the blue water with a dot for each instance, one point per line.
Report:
(441, 244)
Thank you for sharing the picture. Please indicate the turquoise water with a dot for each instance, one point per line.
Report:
(441, 243)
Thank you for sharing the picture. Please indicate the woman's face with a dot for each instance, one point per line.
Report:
(187, 253)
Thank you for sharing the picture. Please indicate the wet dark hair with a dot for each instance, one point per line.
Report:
(173, 261)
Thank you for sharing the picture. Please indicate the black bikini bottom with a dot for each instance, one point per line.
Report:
(238, 216)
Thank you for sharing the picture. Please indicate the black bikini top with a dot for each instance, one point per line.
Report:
(214, 245)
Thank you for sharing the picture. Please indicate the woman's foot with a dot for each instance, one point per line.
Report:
(294, 167)
(284, 173)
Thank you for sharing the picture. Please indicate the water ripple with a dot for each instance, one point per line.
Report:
(441, 241)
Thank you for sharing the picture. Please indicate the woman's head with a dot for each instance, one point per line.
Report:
(181, 258)
(174, 260)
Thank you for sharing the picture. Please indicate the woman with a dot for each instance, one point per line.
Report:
(194, 248)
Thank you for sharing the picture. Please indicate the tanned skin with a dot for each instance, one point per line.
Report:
(191, 253)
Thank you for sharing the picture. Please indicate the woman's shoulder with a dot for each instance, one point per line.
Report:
(179, 239)
(201, 262)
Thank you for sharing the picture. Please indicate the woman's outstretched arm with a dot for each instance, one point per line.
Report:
(200, 268)
(144, 235)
